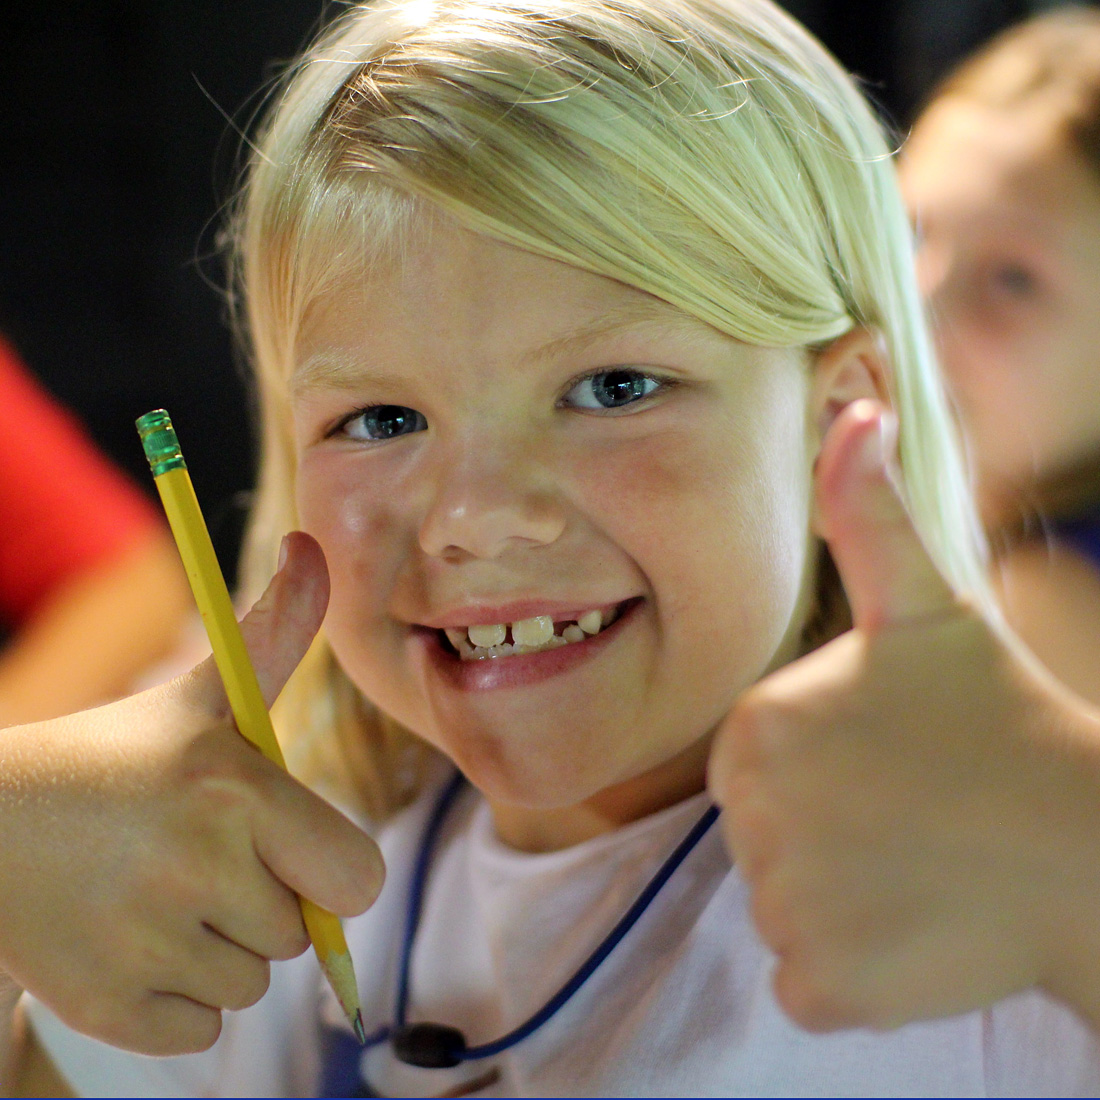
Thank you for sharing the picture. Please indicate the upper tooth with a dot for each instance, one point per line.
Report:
(455, 637)
(590, 622)
(488, 635)
(536, 631)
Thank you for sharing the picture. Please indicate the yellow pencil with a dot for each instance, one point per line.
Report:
(173, 482)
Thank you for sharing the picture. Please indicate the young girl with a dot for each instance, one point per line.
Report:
(552, 304)
(1002, 174)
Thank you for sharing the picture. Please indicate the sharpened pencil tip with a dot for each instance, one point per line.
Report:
(357, 1026)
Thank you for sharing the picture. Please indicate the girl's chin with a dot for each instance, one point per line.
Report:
(542, 801)
(528, 779)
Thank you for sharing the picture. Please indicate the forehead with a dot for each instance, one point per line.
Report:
(449, 287)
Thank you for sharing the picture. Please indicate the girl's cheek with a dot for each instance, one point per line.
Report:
(345, 512)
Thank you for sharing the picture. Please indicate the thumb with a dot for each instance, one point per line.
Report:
(284, 620)
(281, 625)
(885, 568)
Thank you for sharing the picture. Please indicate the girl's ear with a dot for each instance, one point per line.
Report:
(852, 366)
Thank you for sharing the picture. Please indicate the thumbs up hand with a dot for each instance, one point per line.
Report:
(916, 805)
(151, 857)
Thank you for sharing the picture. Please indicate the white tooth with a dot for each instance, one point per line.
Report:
(465, 650)
(533, 632)
(507, 649)
(590, 622)
(455, 637)
(573, 633)
(556, 641)
(488, 635)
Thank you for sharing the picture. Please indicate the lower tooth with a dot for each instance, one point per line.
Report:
(573, 633)
(506, 649)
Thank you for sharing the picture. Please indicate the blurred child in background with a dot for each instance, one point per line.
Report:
(1002, 175)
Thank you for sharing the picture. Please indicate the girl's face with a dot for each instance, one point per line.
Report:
(489, 438)
(1009, 224)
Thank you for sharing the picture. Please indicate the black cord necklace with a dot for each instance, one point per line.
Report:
(437, 1046)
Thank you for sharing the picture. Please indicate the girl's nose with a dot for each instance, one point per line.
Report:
(488, 501)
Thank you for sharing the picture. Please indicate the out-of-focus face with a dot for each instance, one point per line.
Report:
(1009, 223)
(499, 450)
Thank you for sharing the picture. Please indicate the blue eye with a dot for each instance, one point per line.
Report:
(611, 389)
(381, 422)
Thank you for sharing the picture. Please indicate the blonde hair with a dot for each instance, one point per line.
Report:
(708, 152)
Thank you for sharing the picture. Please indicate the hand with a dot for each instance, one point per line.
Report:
(151, 856)
(916, 805)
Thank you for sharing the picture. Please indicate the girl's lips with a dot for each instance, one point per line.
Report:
(492, 673)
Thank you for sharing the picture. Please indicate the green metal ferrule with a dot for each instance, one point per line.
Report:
(158, 437)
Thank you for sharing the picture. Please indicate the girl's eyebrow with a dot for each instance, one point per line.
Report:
(336, 369)
(636, 314)
(340, 368)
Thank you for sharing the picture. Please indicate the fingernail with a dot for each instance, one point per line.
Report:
(872, 451)
(282, 553)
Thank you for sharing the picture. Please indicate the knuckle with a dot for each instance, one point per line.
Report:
(365, 884)
(754, 835)
(292, 939)
(105, 1016)
(766, 727)
(197, 1032)
(170, 1025)
(824, 990)
(252, 983)
(221, 765)
(808, 1001)
(772, 917)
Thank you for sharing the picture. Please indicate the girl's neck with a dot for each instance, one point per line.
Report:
(541, 829)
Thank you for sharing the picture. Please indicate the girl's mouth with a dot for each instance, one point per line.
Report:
(523, 652)
(485, 641)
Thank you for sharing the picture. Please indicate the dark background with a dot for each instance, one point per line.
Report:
(117, 154)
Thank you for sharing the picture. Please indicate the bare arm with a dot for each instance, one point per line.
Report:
(96, 634)
(151, 858)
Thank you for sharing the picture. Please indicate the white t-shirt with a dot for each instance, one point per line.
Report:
(682, 1007)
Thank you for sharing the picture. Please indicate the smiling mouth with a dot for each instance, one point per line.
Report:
(483, 641)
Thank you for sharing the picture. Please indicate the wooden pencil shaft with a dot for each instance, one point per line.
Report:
(242, 689)
(230, 655)
(241, 686)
